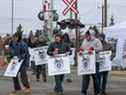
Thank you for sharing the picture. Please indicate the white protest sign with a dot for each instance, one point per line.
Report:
(39, 55)
(58, 65)
(105, 63)
(13, 68)
(87, 63)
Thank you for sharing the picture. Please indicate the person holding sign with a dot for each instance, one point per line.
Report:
(19, 49)
(104, 74)
(55, 48)
(39, 68)
(67, 40)
(91, 43)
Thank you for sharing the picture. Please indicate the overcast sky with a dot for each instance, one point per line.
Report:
(26, 11)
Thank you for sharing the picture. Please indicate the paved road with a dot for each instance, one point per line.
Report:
(116, 85)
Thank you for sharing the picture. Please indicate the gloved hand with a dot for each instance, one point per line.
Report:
(55, 52)
(14, 62)
(90, 50)
(19, 60)
(80, 51)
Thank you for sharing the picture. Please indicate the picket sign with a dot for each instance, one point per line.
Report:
(39, 55)
(58, 65)
(13, 68)
(105, 63)
(87, 63)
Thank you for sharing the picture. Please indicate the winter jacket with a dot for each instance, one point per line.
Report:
(95, 43)
(20, 50)
(62, 48)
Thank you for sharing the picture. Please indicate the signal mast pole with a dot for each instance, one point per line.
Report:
(104, 13)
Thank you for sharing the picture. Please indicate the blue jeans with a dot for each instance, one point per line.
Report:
(58, 83)
(103, 80)
(96, 81)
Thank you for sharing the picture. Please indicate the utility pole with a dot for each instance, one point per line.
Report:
(104, 13)
(12, 17)
(77, 37)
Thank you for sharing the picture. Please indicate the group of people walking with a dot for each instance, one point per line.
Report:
(60, 45)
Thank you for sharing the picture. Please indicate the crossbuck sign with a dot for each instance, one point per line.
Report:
(71, 6)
